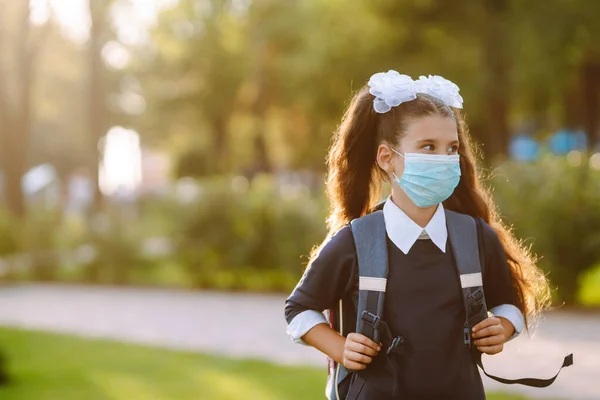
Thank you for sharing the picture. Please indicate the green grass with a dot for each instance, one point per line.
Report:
(53, 367)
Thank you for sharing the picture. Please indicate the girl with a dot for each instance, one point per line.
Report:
(412, 134)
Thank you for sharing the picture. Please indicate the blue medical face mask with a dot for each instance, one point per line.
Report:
(429, 179)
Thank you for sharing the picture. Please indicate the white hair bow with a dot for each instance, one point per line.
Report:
(392, 89)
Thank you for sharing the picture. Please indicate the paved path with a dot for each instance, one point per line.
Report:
(246, 325)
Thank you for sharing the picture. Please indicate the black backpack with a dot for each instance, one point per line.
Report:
(465, 236)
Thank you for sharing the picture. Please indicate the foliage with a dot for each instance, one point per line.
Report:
(117, 249)
(97, 370)
(31, 247)
(47, 247)
(245, 87)
(9, 240)
(40, 236)
(589, 294)
(239, 226)
(554, 206)
(237, 73)
(256, 235)
(260, 85)
(193, 162)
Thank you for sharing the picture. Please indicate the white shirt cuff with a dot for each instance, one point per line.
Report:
(513, 314)
(304, 322)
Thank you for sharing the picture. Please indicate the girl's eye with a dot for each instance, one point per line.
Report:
(431, 147)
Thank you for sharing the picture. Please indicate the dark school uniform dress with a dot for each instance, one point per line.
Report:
(423, 304)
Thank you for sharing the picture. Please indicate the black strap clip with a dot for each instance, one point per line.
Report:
(396, 346)
(475, 308)
(371, 319)
(467, 335)
(476, 298)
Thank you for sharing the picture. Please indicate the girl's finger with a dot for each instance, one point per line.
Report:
(489, 331)
(354, 366)
(485, 323)
(362, 339)
(361, 348)
(357, 357)
(490, 341)
(491, 349)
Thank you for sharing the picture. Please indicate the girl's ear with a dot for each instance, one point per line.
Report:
(385, 158)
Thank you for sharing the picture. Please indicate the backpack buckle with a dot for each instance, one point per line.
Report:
(475, 308)
(476, 298)
(396, 346)
(467, 335)
(371, 319)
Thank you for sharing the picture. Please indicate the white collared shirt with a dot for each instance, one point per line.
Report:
(404, 233)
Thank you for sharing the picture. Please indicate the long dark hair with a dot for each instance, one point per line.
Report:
(354, 182)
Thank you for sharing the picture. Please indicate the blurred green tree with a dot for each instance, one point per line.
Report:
(191, 79)
(561, 220)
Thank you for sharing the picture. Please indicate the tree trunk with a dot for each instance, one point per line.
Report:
(261, 104)
(496, 91)
(219, 130)
(14, 170)
(16, 119)
(573, 109)
(591, 98)
(97, 94)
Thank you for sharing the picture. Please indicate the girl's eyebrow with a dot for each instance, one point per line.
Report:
(424, 141)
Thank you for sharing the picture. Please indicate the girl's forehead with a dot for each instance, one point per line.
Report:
(436, 128)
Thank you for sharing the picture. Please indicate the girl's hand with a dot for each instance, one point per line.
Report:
(491, 334)
(359, 351)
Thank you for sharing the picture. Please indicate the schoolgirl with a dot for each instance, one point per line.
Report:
(412, 134)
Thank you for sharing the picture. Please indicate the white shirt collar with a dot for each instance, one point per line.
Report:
(404, 232)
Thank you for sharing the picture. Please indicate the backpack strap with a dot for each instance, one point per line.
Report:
(466, 238)
(371, 249)
(370, 240)
(533, 382)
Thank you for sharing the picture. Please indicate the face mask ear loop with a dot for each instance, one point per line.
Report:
(395, 151)
(401, 155)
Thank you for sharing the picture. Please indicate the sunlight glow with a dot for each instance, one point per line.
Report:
(130, 18)
(115, 55)
(121, 166)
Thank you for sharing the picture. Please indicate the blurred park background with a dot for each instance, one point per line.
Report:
(150, 146)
